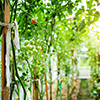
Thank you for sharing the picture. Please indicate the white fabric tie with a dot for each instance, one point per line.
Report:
(8, 42)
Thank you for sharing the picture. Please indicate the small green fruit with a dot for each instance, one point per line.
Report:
(32, 42)
(26, 42)
(26, 57)
(39, 48)
(34, 51)
(23, 47)
(30, 53)
(29, 47)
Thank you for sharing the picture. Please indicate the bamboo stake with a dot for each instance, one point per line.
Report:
(98, 60)
(5, 90)
(36, 92)
(46, 88)
(58, 69)
(50, 79)
(58, 78)
(35, 88)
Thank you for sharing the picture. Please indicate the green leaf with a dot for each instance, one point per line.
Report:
(80, 11)
(95, 92)
(20, 69)
(48, 4)
(81, 25)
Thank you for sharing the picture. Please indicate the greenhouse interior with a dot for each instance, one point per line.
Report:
(49, 49)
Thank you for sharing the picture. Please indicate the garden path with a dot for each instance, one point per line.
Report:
(84, 90)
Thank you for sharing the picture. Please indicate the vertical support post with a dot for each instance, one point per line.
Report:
(36, 91)
(98, 60)
(35, 88)
(72, 64)
(50, 70)
(46, 88)
(58, 78)
(5, 90)
(58, 72)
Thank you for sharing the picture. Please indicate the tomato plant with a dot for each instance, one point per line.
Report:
(50, 31)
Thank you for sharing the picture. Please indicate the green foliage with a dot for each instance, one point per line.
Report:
(67, 70)
(94, 92)
(55, 28)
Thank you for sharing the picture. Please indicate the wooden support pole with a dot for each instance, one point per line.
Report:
(46, 88)
(50, 70)
(5, 90)
(36, 92)
(98, 61)
(35, 88)
(58, 77)
(58, 67)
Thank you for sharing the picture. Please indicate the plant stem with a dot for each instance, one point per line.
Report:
(50, 79)
(14, 58)
(29, 68)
